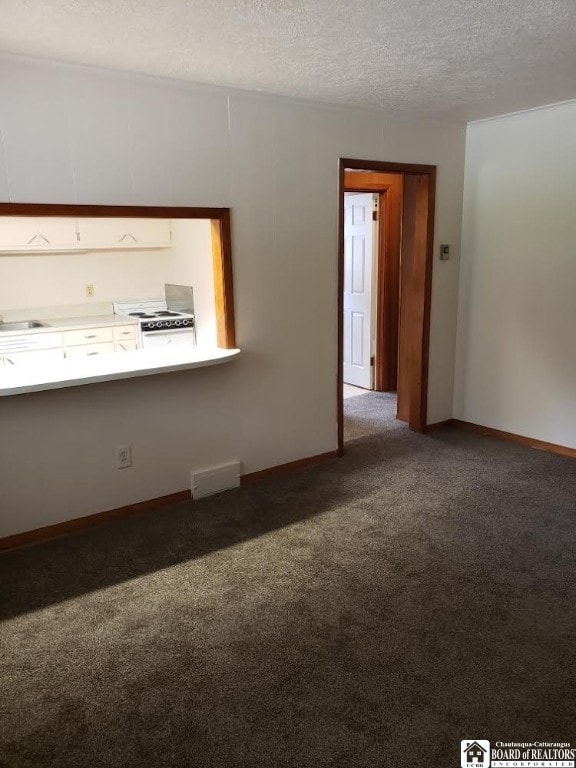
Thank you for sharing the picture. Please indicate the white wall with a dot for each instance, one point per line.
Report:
(60, 279)
(190, 263)
(517, 319)
(86, 136)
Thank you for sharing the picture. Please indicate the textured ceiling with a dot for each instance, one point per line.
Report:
(443, 59)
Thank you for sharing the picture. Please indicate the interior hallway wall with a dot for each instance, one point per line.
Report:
(80, 135)
(516, 368)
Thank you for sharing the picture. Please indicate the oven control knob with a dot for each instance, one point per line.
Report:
(178, 322)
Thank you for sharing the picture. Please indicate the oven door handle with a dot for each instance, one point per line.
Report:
(169, 331)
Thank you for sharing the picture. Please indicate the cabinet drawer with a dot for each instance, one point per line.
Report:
(87, 350)
(123, 332)
(29, 341)
(88, 336)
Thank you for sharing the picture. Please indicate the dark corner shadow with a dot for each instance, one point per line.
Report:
(51, 572)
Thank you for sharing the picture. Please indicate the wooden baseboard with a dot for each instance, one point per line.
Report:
(89, 521)
(439, 425)
(283, 469)
(529, 442)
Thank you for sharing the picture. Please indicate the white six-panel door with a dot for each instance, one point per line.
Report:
(358, 289)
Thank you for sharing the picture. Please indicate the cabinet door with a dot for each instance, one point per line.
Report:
(153, 231)
(55, 231)
(124, 233)
(127, 345)
(17, 231)
(170, 339)
(30, 233)
(36, 358)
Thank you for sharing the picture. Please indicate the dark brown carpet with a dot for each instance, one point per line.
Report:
(369, 612)
(371, 414)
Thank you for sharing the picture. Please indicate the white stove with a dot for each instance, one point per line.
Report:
(159, 325)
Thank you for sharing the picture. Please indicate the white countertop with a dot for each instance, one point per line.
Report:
(74, 372)
(54, 325)
(68, 323)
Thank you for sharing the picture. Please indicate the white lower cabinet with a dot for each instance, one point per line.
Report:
(30, 349)
(100, 341)
(127, 345)
(42, 348)
(126, 338)
(37, 357)
(29, 342)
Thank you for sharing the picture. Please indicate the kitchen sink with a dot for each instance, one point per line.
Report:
(24, 325)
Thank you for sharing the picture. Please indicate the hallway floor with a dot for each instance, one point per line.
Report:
(370, 413)
(351, 391)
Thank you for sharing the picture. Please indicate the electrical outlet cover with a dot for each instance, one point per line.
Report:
(123, 456)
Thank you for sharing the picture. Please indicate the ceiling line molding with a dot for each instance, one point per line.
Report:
(520, 112)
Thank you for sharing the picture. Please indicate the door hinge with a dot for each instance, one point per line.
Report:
(372, 361)
(374, 215)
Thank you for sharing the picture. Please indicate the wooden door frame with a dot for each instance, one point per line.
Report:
(418, 419)
(390, 196)
(221, 244)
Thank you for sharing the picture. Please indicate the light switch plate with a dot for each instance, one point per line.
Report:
(444, 252)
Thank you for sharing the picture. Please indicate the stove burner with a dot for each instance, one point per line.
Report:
(166, 313)
(141, 314)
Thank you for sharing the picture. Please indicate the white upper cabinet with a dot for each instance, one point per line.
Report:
(42, 233)
(30, 234)
(123, 233)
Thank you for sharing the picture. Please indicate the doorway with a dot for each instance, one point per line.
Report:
(360, 271)
(386, 228)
